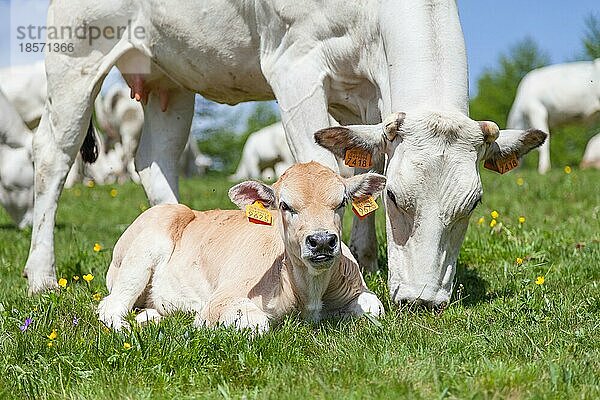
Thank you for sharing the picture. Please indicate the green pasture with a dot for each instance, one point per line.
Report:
(503, 336)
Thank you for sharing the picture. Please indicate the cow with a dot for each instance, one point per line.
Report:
(16, 167)
(265, 148)
(591, 156)
(358, 62)
(230, 271)
(557, 94)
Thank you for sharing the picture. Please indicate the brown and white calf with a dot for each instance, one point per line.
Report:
(230, 271)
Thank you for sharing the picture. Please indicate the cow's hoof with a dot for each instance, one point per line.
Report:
(111, 313)
(40, 284)
(369, 303)
(148, 315)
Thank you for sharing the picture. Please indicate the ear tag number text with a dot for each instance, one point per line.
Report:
(358, 158)
(258, 214)
(503, 165)
(364, 207)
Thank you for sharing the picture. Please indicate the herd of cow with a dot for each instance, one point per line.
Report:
(394, 74)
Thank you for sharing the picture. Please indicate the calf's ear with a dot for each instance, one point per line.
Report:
(503, 154)
(364, 185)
(248, 192)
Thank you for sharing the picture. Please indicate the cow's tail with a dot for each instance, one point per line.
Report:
(89, 148)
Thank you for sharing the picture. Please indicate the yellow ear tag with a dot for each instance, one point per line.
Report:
(364, 207)
(358, 158)
(258, 214)
(503, 165)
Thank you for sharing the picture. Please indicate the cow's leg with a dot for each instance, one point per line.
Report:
(538, 118)
(303, 105)
(163, 139)
(240, 313)
(60, 135)
(366, 302)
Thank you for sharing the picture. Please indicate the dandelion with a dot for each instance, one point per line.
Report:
(53, 335)
(91, 184)
(50, 344)
(520, 181)
(113, 192)
(494, 214)
(493, 223)
(519, 261)
(126, 346)
(97, 296)
(521, 220)
(97, 247)
(62, 282)
(75, 278)
(75, 321)
(480, 221)
(25, 325)
(568, 170)
(540, 280)
(88, 278)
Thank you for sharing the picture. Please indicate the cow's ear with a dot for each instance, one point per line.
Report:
(364, 185)
(504, 153)
(249, 192)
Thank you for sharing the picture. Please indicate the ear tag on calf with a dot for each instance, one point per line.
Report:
(258, 214)
(358, 158)
(364, 207)
(502, 165)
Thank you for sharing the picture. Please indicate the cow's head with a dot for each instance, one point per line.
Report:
(433, 186)
(311, 199)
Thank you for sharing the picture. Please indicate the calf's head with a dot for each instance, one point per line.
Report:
(433, 186)
(311, 199)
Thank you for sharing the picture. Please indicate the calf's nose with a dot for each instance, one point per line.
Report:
(322, 242)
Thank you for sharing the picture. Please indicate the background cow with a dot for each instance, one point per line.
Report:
(550, 96)
(591, 156)
(231, 271)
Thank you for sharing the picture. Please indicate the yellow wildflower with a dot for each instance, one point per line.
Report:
(88, 278)
(540, 280)
(113, 192)
(91, 184)
(97, 296)
(126, 346)
(493, 223)
(568, 170)
(75, 277)
(519, 261)
(62, 282)
(481, 220)
(105, 329)
(494, 214)
(521, 219)
(53, 335)
(97, 247)
(50, 344)
(520, 181)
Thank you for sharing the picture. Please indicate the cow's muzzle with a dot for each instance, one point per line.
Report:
(322, 247)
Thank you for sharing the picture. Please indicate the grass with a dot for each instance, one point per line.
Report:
(503, 336)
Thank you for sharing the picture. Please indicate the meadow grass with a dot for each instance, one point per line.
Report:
(503, 336)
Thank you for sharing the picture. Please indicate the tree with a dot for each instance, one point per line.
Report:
(591, 39)
(496, 88)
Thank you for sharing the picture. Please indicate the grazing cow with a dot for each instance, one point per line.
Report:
(357, 61)
(16, 167)
(265, 148)
(550, 96)
(591, 156)
(233, 272)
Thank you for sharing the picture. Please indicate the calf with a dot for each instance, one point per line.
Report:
(233, 272)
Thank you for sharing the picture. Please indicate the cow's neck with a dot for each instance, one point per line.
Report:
(426, 58)
(306, 289)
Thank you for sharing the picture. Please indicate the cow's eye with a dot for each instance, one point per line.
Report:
(392, 197)
(284, 207)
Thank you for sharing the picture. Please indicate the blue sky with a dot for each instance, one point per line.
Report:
(490, 27)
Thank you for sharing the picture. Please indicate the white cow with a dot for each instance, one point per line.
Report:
(591, 156)
(230, 271)
(265, 148)
(359, 61)
(16, 167)
(550, 96)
